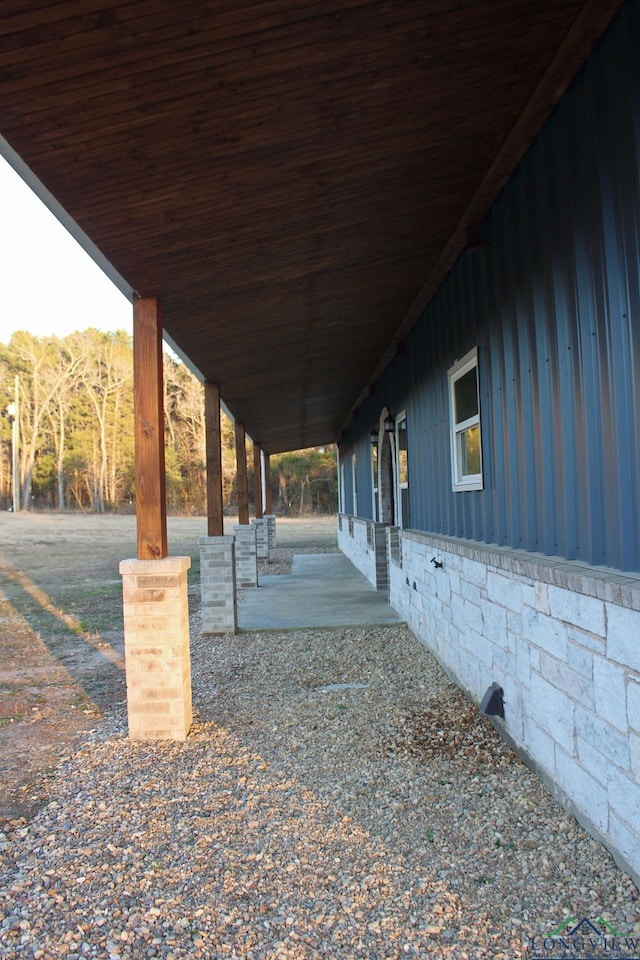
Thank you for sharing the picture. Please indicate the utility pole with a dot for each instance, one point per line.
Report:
(13, 413)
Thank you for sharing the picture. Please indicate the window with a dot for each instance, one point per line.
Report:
(402, 455)
(374, 476)
(466, 448)
(355, 486)
(401, 440)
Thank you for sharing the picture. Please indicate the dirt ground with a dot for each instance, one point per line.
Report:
(61, 634)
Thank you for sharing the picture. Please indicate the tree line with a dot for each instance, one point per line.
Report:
(72, 398)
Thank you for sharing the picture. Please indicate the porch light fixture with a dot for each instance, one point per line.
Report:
(373, 438)
(389, 424)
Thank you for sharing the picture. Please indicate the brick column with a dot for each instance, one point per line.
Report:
(246, 556)
(218, 584)
(381, 555)
(156, 640)
(394, 548)
(262, 537)
(271, 520)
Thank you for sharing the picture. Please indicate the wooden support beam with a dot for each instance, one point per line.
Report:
(151, 503)
(257, 479)
(241, 467)
(267, 484)
(215, 522)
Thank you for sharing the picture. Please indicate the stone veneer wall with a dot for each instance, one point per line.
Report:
(563, 641)
(365, 543)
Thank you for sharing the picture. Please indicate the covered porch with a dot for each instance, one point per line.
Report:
(322, 590)
(279, 190)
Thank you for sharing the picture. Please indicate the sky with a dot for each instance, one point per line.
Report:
(48, 284)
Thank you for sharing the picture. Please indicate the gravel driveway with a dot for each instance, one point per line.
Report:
(337, 798)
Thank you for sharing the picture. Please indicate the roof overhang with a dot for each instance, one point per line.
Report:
(292, 180)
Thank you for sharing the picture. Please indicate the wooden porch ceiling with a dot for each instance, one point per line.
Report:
(291, 179)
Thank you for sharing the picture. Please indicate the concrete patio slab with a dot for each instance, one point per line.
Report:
(322, 590)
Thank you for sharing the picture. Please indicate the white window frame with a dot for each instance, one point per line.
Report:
(341, 486)
(354, 462)
(375, 473)
(460, 481)
(399, 419)
(402, 416)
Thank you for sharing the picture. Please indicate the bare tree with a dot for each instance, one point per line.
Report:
(107, 372)
(184, 415)
(42, 375)
(66, 378)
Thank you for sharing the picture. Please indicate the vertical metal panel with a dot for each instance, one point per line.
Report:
(552, 302)
(345, 447)
(562, 330)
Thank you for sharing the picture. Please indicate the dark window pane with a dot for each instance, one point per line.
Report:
(402, 435)
(466, 395)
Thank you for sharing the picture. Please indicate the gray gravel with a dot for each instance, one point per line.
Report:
(337, 798)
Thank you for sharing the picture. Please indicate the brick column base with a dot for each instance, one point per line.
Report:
(156, 641)
(218, 584)
(381, 555)
(246, 556)
(271, 523)
(262, 538)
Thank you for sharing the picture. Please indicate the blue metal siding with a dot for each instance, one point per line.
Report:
(552, 301)
(345, 450)
(363, 474)
(358, 443)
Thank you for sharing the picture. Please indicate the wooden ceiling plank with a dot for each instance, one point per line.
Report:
(144, 50)
(377, 46)
(285, 170)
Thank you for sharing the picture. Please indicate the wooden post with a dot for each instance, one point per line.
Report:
(241, 466)
(257, 479)
(215, 522)
(151, 507)
(267, 484)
